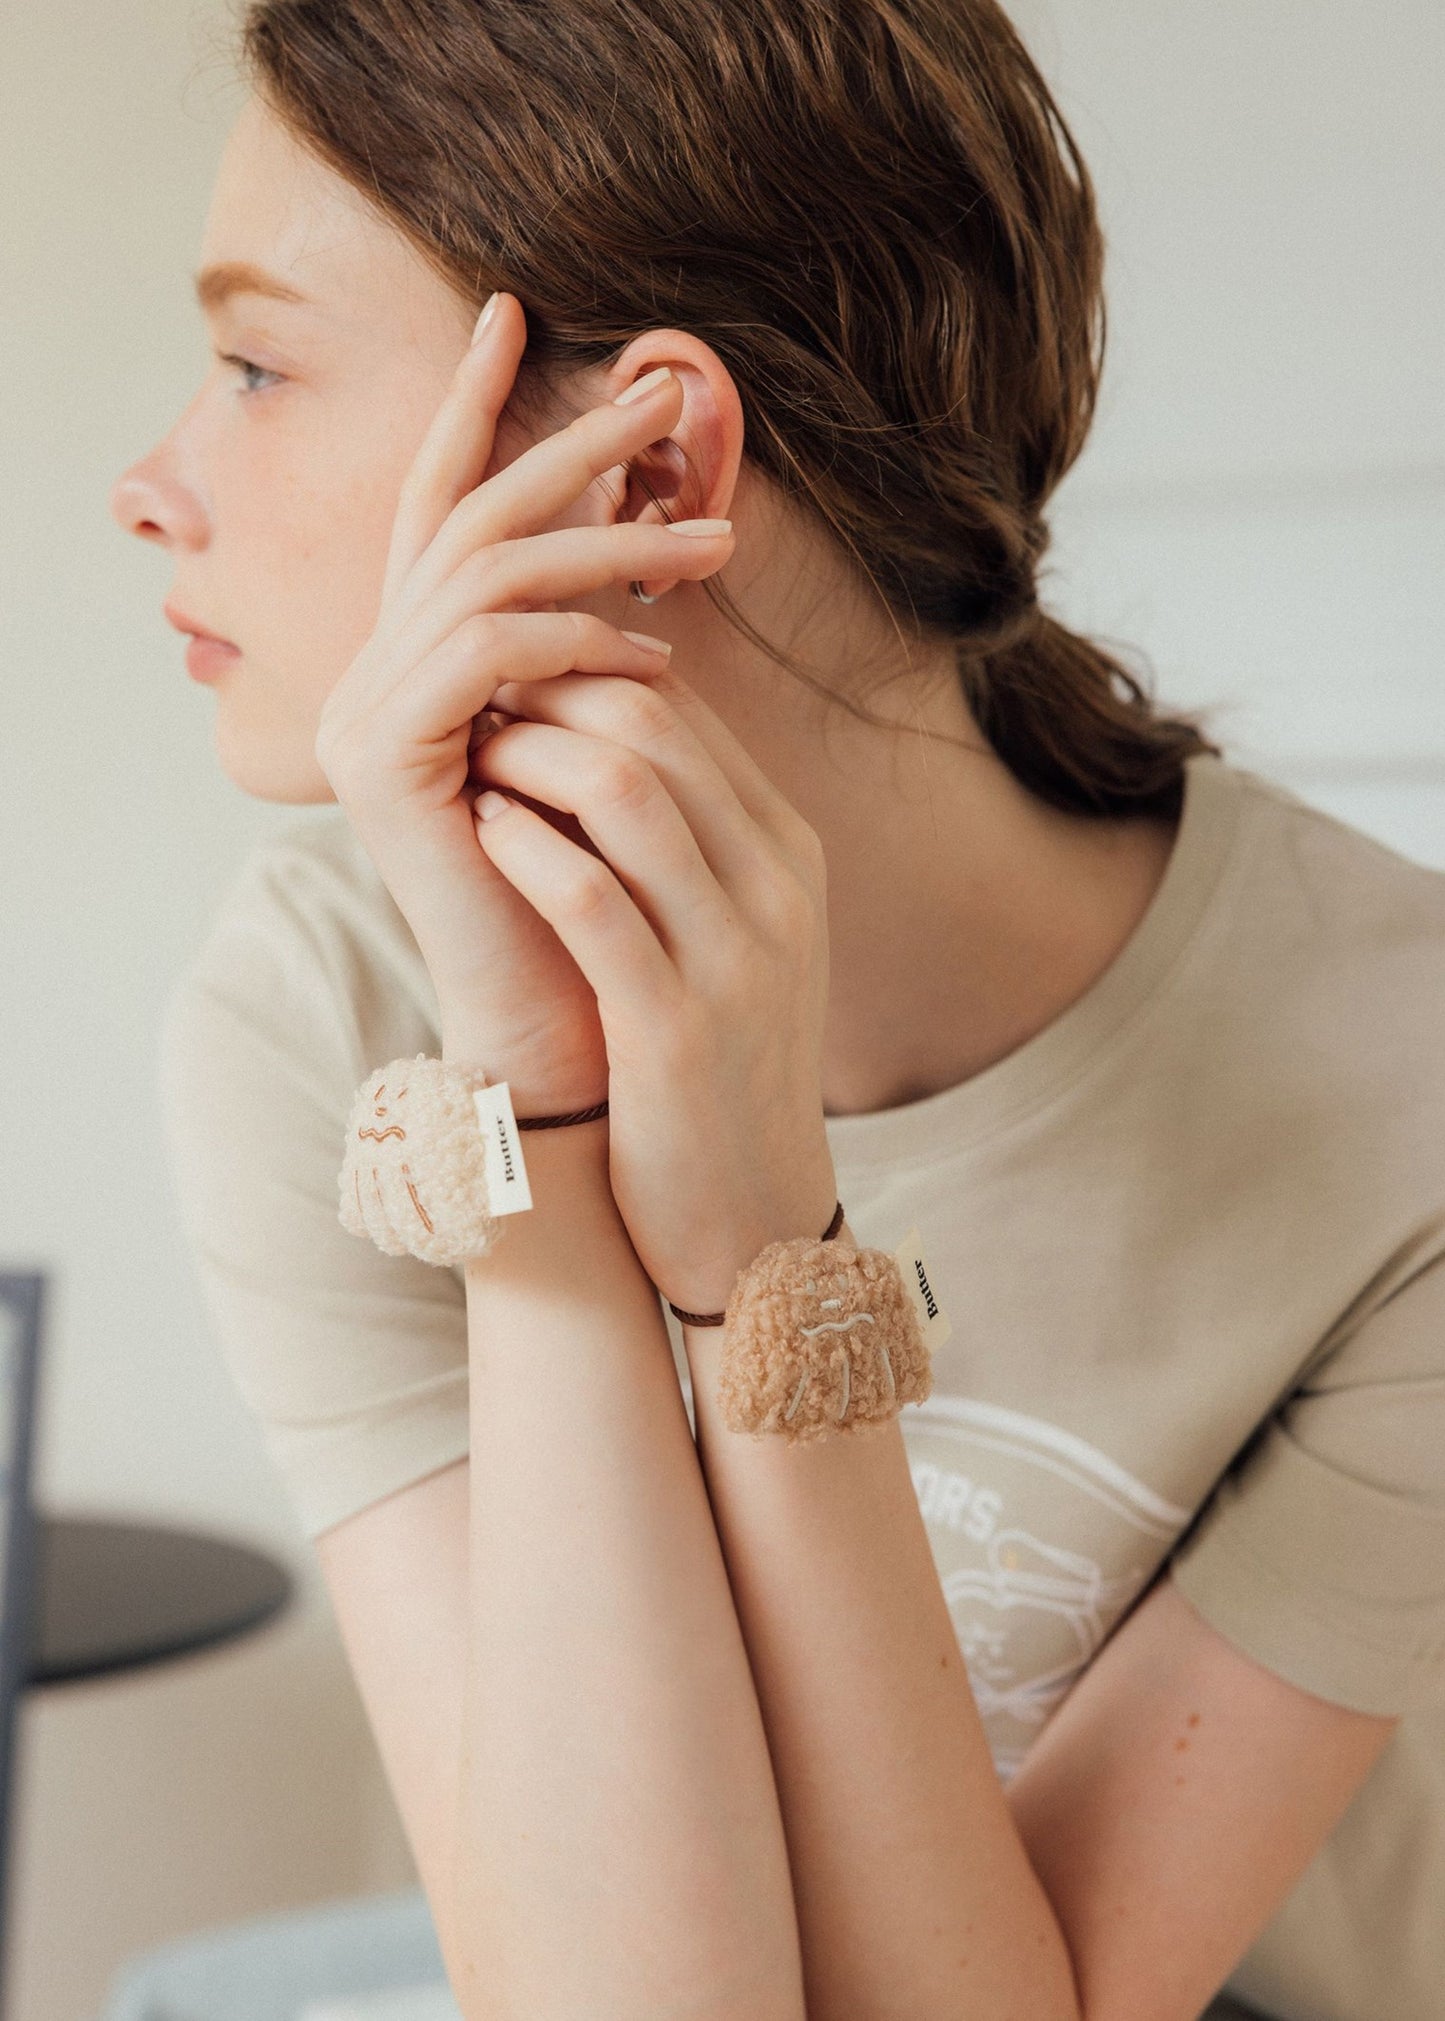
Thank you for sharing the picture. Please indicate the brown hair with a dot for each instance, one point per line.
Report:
(864, 206)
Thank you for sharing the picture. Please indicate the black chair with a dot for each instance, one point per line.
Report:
(22, 1307)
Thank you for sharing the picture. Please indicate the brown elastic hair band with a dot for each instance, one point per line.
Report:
(717, 1318)
(589, 1115)
(556, 1122)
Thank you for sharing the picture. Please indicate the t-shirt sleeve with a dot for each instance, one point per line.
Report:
(353, 1362)
(1321, 1552)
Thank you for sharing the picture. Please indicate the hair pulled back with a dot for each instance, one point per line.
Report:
(874, 213)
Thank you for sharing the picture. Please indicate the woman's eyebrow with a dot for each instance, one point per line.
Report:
(216, 284)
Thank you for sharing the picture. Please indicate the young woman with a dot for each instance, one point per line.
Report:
(1112, 1671)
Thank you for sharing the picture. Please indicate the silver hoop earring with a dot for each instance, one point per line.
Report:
(637, 592)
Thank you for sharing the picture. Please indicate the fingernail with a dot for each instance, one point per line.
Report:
(648, 643)
(489, 805)
(701, 527)
(650, 382)
(485, 317)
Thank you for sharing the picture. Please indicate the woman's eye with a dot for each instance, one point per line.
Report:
(244, 365)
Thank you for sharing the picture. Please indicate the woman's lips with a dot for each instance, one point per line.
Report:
(207, 656)
(207, 659)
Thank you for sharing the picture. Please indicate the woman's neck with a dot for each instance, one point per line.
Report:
(950, 950)
(965, 914)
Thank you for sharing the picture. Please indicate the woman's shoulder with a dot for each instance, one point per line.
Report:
(310, 878)
(1335, 928)
(1353, 884)
(1314, 1007)
(307, 947)
(308, 891)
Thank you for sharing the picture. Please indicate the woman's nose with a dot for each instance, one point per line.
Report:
(151, 501)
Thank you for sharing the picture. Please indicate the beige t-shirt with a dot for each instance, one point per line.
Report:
(1190, 1239)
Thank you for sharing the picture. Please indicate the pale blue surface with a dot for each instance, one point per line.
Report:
(268, 1969)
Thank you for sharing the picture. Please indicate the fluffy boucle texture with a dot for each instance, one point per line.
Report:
(413, 1178)
(819, 1338)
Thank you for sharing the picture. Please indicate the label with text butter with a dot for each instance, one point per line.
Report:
(932, 1319)
(507, 1188)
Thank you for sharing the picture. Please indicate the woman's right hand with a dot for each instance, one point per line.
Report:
(469, 603)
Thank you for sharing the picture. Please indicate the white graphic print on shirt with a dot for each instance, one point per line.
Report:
(1041, 1543)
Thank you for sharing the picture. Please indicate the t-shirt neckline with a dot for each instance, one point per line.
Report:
(956, 1118)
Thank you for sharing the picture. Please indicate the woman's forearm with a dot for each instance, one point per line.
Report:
(914, 1895)
(619, 1847)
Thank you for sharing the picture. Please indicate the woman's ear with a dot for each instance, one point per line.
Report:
(658, 478)
(690, 473)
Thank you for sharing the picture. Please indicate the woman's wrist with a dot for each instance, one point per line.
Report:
(567, 1176)
(532, 1091)
(805, 1214)
(572, 1240)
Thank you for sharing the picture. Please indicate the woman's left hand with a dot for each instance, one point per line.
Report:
(702, 927)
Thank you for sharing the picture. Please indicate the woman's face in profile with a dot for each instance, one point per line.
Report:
(275, 489)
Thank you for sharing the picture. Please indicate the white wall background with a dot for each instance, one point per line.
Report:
(1261, 511)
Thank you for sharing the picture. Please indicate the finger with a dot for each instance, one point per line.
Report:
(558, 566)
(458, 443)
(587, 907)
(432, 699)
(632, 817)
(743, 857)
(551, 475)
(589, 705)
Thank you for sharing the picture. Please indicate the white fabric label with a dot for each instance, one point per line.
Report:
(932, 1319)
(507, 1188)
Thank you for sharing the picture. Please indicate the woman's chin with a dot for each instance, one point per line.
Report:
(269, 771)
